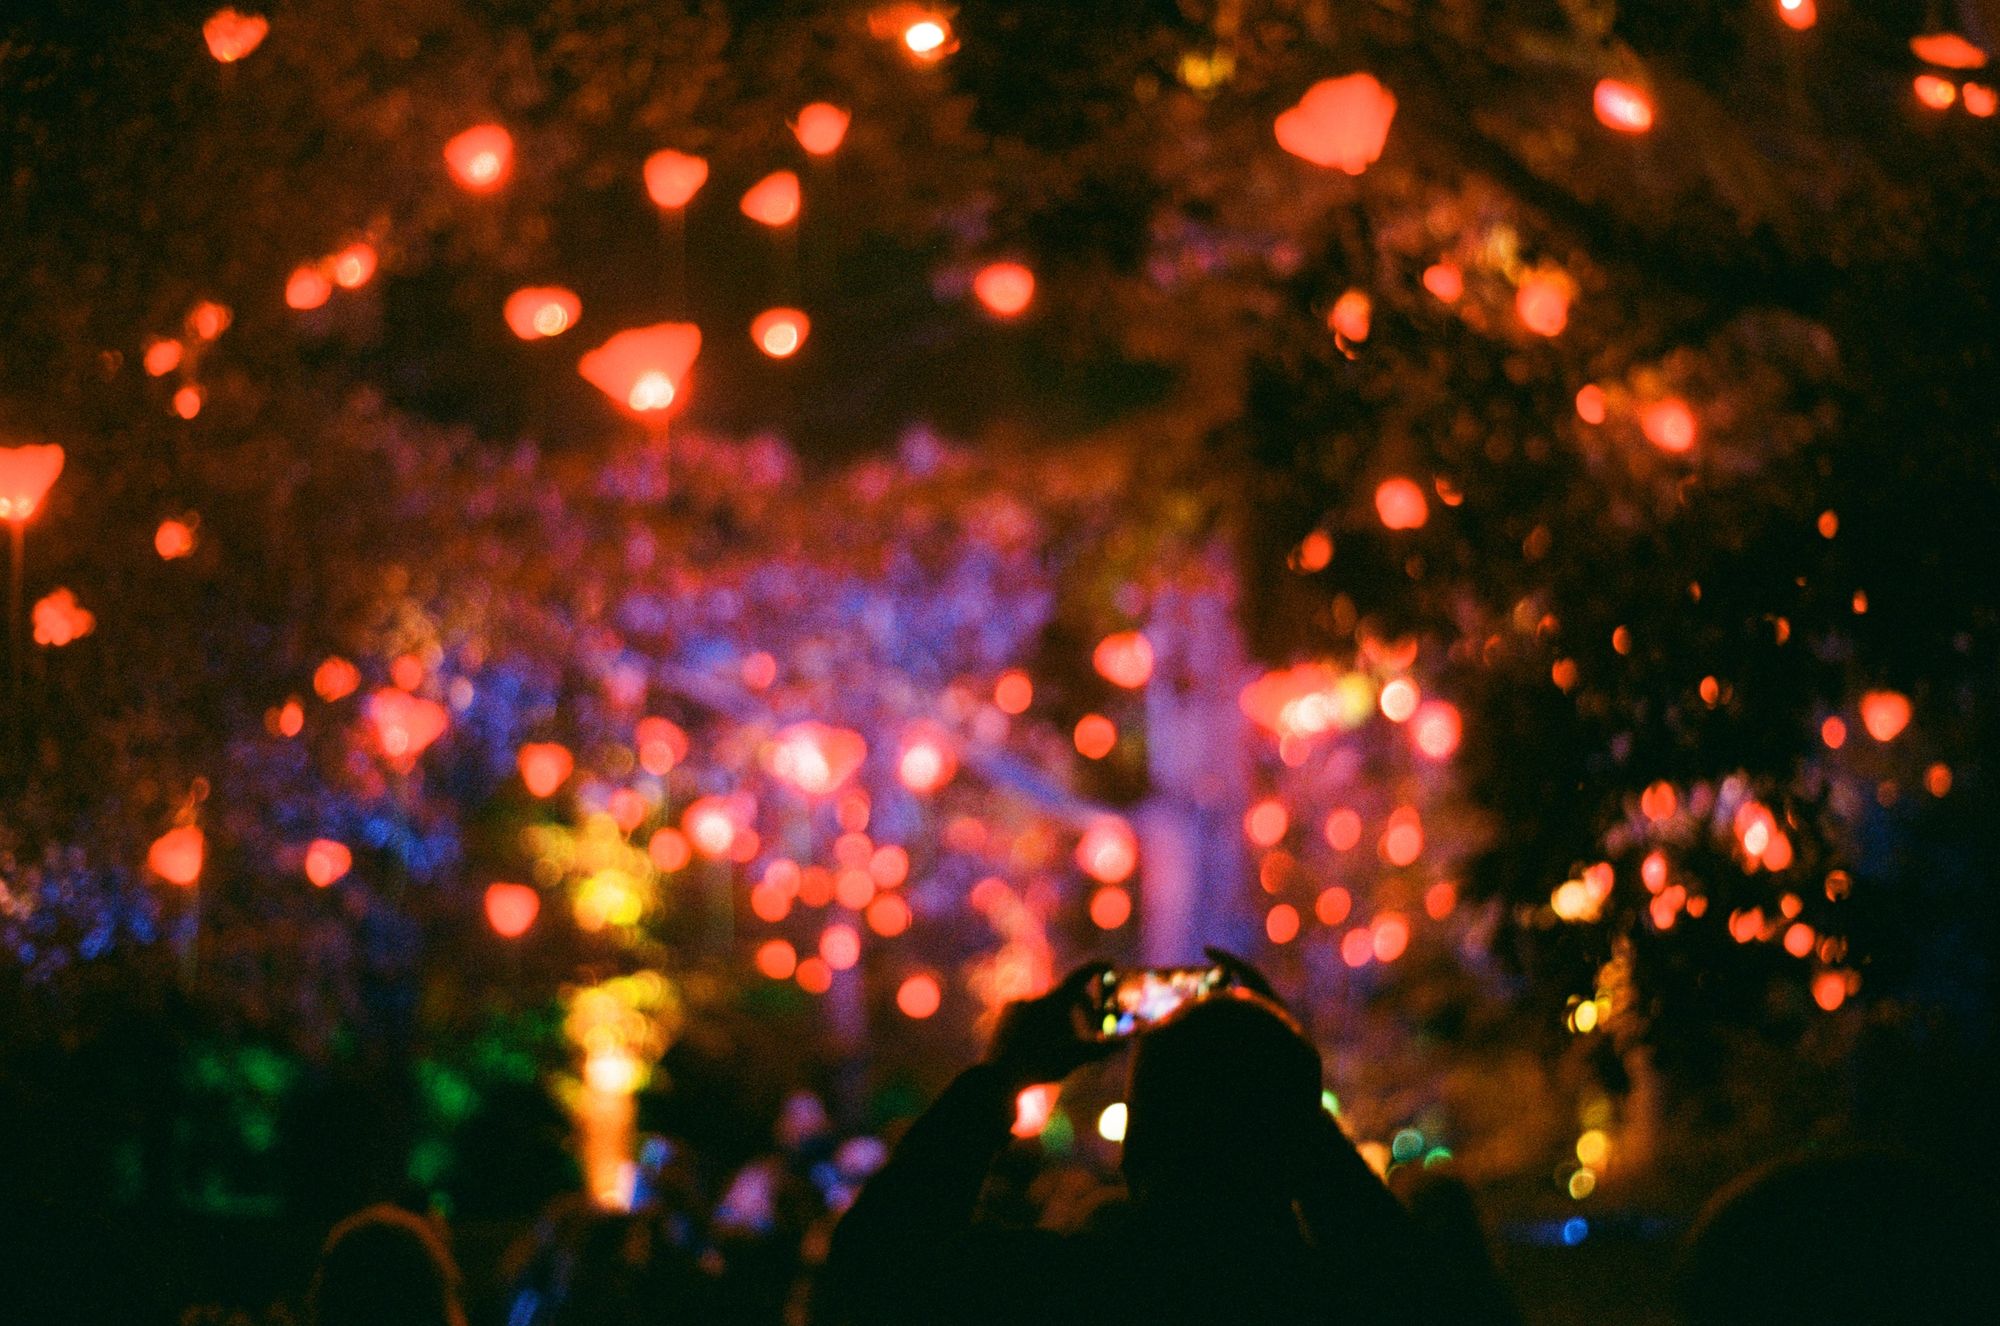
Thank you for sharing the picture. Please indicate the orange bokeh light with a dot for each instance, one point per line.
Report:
(480, 158)
(353, 266)
(1004, 288)
(545, 766)
(173, 539)
(1352, 316)
(919, 996)
(821, 128)
(1590, 403)
(1013, 692)
(1110, 907)
(511, 909)
(1265, 823)
(1542, 303)
(1669, 424)
(840, 945)
(1398, 700)
(1934, 92)
(889, 915)
(26, 475)
(1446, 281)
(1124, 659)
(644, 370)
(231, 35)
(162, 356)
(1403, 838)
(673, 178)
(1401, 504)
(405, 725)
(774, 200)
(1436, 729)
(1885, 714)
(1798, 15)
(1340, 123)
(537, 312)
(307, 288)
(327, 861)
(1333, 905)
(1980, 100)
(777, 959)
(1621, 106)
(176, 856)
(1281, 923)
(59, 619)
(1108, 851)
(779, 332)
(1095, 736)
(1947, 50)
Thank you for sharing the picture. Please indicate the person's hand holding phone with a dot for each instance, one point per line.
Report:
(1047, 1038)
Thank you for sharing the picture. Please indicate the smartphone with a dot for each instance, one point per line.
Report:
(1125, 1003)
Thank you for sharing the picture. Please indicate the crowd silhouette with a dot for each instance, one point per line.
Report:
(1240, 1200)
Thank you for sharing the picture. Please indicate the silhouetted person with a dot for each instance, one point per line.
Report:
(1247, 1203)
(383, 1266)
(1863, 1237)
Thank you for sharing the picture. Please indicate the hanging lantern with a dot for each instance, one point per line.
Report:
(1124, 659)
(481, 158)
(774, 200)
(511, 909)
(405, 725)
(1948, 50)
(26, 475)
(1005, 288)
(59, 619)
(327, 862)
(537, 312)
(821, 128)
(815, 758)
(779, 332)
(1340, 123)
(1621, 106)
(644, 370)
(545, 766)
(673, 178)
(176, 855)
(1669, 424)
(231, 36)
(1401, 504)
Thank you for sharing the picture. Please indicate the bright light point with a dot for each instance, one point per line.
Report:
(1108, 851)
(534, 313)
(1399, 700)
(925, 37)
(354, 265)
(777, 960)
(480, 158)
(1389, 937)
(1111, 1122)
(1033, 1108)
(1265, 823)
(673, 178)
(779, 332)
(1403, 839)
(1798, 15)
(1622, 107)
(840, 946)
(1124, 659)
(188, 401)
(1340, 123)
(1013, 692)
(1005, 288)
(1436, 729)
(653, 391)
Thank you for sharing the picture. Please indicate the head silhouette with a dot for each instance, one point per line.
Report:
(1218, 1096)
(383, 1266)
